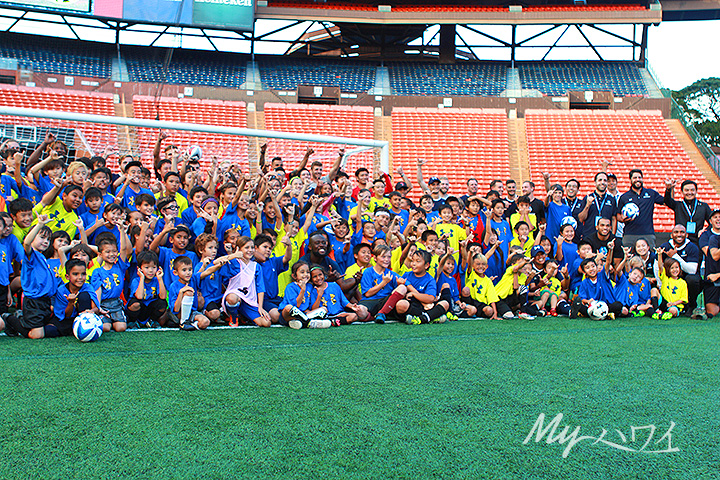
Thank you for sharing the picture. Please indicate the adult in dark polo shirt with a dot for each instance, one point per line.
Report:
(688, 254)
(600, 239)
(709, 240)
(690, 212)
(597, 205)
(537, 206)
(645, 199)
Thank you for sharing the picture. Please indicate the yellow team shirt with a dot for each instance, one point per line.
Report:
(395, 264)
(528, 244)
(504, 287)
(364, 216)
(673, 290)
(20, 233)
(455, 234)
(481, 288)
(296, 242)
(515, 218)
(60, 219)
(379, 202)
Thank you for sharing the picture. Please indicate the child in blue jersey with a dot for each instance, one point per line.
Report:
(179, 239)
(633, 291)
(108, 280)
(379, 284)
(147, 306)
(421, 304)
(112, 218)
(38, 282)
(72, 299)
(11, 250)
(595, 287)
(330, 296)
(271, 267)
(245, 291)
(210, 283)
(187, 317)
(296, 302)
(448, 269)
(94, 207)
(207, 219)
(556, 210)
(566, 252)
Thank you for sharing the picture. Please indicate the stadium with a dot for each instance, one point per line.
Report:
(273, 145)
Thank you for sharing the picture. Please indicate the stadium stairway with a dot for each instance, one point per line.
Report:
(650, 84)
(677, 128)
(518, 154)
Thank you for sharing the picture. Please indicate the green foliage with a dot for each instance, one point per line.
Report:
(708, 88)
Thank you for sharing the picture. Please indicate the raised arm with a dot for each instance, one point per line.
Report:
(42, 220)
(158, 146)
(421, 182)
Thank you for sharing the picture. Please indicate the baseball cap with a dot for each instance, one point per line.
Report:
(536, 249)
(401, 186)
(715, 212)
(433, 180)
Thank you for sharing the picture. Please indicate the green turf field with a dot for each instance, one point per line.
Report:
(393, 401)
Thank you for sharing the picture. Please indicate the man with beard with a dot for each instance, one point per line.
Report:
(612, 190)
(601, 237)
(688, 254)
(444, 187)
(646, 199)
(598, 205)
(511, 188)
(690, 212)
(473, 187)
(317, 254)
(537, 206)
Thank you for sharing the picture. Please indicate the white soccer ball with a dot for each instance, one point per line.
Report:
(568, 220)
(195, 153)
(598, 310)
(87, 327)
(631, 211)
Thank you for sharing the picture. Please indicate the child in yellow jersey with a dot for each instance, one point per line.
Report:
(673, 289)
(551, 291)
(402, 258)
(512, 287)
(523, 238)
(297, 238)
(479, 293)
(452, 232)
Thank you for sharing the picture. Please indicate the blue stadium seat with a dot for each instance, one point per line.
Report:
(288, 73)
(425, 78)
(556, 78)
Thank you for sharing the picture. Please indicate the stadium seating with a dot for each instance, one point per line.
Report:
(98, 136)
(211, 112)
(424, 78)
(556, 78)
(336, 120)
(186, 68)
(288, 73)
(571, 144)
(456, 142)
(63, 57)
(446, 8)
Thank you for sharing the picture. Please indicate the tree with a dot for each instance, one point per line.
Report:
(706, 121)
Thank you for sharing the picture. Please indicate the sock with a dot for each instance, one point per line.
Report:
(655, 303)
(436, 312)
(232, 310)
(391, 302)
(445, 295)
(415, 310)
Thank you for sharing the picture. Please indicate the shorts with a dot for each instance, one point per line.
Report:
(116, 312)
(174, 319)
(711, 293)
(247, 312)
(37, 312)
(374, 304)
(547, 290)
(213, 306)
(270, 303)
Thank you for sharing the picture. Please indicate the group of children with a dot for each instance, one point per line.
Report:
(297, 249)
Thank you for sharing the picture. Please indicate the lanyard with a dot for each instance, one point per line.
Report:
(572, 207)
(688, 209)
(602, 202)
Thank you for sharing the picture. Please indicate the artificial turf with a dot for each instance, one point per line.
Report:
(392, 401)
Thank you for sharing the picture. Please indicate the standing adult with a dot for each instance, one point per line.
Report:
(690, 212)
(537, 206)
(597, 205)
(473, 187)
(645, 199)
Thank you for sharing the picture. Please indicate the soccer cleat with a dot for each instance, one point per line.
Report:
(317, 313)
(335, 322)
(525, 316)
(638, 313)
(666, 316)
(451, 316)
(553, 313)
(296, 312)
(611, 316)
(233, 322)
(380, 318)
(189, 326)
(440, 319)
(508, 316)
(412, 320)
(656, 315)
(317, 323)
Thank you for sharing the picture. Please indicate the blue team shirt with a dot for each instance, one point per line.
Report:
(188, 216)
(505, 234)
(152, 289)
(452, 283)
(210, 286)
(292, 292)
(10, 249)
(128, 200)
(271, 269)
(36, 276)
(90, 219)
(425, 284)
(554, 215)
(646, 201)
(175, 288)
(629, 294)
(60, 302)
(601, 289)
(371, 278)
(167, 262)
(332, 298)
(110, 281)
(343, 259)
(8, 185)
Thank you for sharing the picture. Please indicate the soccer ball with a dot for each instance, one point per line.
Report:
(87, 327)
(195, 153)
(598, 310)
(569, 220)
(631, 211)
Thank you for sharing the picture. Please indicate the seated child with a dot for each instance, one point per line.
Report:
(107, 282)
(420, 304)
(552, 290)
(147, 306)
(72, 299)
(595, 287)
(673, 289)
(243, 298)
(330, 297)
(185, 298)
(479, 292)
